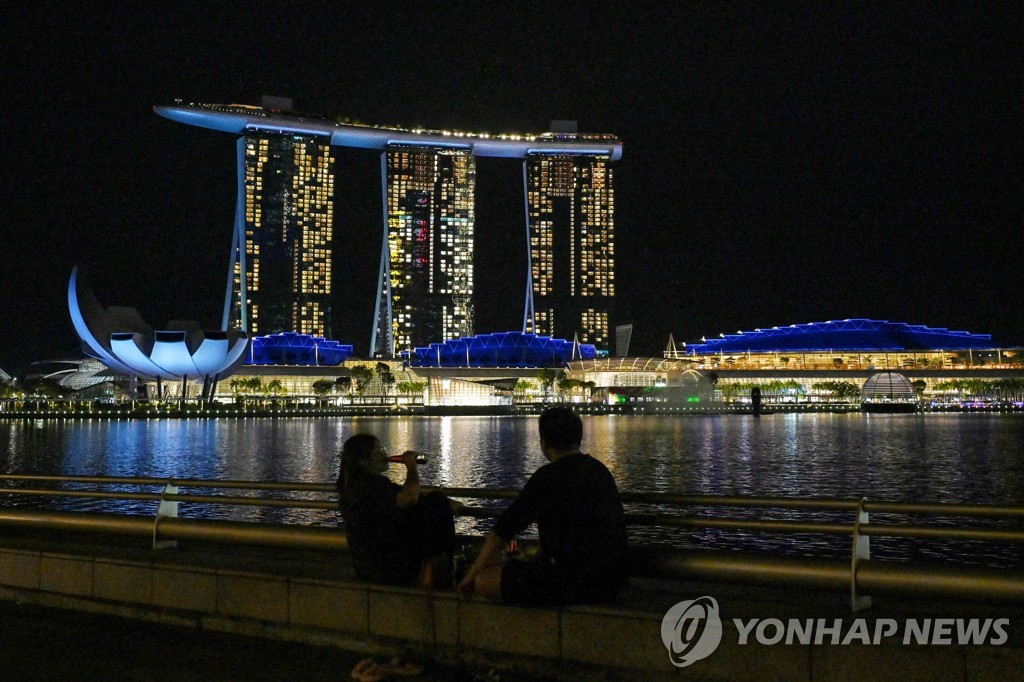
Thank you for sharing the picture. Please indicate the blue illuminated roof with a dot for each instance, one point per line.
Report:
(236, 118)
(502, 349)
(847, 335)
(291, 348)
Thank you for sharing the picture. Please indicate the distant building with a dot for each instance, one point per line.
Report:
(283, 228)
(571, 280)
(283, 245)
(839, 343)
(502, 349)
(425, 290)
(181, 352)
(805, 363)
(290, 348)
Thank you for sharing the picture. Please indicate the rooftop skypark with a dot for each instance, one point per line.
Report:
(242, 118)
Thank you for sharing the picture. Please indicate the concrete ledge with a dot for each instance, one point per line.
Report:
(412, 615)
(123, 581)
(185, 589)
(510, 629)
(621, 640)
(20, 569)
(313, 598)
(66, 574)
(321, 604)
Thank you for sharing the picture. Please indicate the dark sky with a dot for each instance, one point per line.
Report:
(784, 163)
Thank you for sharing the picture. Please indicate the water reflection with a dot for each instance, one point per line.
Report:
(935, 458)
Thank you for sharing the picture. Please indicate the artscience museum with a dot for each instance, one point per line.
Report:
(182, 352)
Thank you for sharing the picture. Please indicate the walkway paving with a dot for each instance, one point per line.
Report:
(42, 644)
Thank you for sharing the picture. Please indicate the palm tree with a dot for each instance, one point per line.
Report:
(841, 390)
(274, 388)
(254, 385)
(1010, 389)
(237, 386)
(520, 389)
(411, 388)
(731, 390)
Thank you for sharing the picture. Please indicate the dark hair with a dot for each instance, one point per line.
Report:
(561, 428)
(356, 450)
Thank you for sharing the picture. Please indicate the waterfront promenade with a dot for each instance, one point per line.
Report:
(45, 643)
(284, 575)
(199, 597)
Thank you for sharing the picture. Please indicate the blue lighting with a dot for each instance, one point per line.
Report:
(240, 119)
(845, 335)
(291, 348)
(502, 349)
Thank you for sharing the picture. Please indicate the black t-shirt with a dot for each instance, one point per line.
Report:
(575, 504)
(379, 532)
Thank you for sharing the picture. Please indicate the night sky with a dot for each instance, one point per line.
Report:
(782, 164)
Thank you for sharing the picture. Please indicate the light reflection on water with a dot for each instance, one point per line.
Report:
(931, 458)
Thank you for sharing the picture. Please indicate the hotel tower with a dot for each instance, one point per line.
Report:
(425, 286)
(571, 229)
(280, 273)
(283, 236)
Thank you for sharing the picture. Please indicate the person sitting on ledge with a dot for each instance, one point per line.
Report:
(575, 504)
(396, 535)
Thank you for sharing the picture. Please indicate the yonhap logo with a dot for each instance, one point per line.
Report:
(691, 630)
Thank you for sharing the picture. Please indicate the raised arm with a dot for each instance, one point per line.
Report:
(410, 492)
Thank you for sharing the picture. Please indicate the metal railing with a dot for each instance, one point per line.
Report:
(858, 573)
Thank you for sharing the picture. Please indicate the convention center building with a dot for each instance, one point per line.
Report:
(803, 364)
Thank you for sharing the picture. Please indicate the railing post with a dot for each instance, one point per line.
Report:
(861, 551)
(166, 509)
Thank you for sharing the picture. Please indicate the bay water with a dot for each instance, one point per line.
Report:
(964, 458)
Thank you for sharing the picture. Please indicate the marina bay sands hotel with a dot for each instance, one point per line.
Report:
(280, 274)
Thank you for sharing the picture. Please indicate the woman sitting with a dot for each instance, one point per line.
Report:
(396, 535)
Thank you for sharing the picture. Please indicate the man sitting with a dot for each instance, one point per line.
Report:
(575, 503)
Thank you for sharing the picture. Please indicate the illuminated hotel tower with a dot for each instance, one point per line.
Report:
(284, 228)
(425, 286)
(570, 206)
(281, 260)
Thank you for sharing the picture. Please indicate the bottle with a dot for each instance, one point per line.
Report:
(421, 458)
(463, 558)
(460, 564)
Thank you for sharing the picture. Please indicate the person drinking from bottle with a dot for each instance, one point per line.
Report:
(396, 534)
(580, 521)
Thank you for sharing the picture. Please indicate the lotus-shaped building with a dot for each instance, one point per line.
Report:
(120, 339)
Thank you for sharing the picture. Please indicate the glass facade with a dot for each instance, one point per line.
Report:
(571, 206)
(289, 222)
(430, 225)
